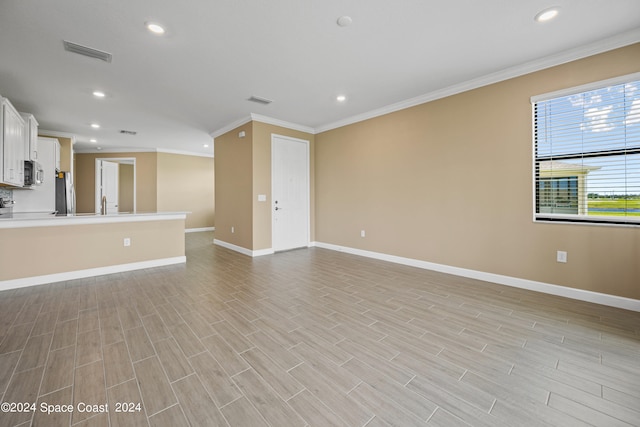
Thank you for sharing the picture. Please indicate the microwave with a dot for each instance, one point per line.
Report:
(33, 173)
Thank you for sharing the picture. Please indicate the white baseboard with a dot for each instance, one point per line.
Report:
(90, 272)
(242, 250)
(547, 288)
(197, 230)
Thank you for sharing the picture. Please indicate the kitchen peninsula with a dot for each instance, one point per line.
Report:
(41, 248)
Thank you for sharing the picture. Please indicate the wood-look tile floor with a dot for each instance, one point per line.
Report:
(311, 337)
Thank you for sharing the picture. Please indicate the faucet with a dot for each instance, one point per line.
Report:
(103, 208)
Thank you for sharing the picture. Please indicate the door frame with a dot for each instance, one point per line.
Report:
(120, 160)
(307, 145)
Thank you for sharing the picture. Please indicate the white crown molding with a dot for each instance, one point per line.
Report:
(262, 119)
(55, 133)
(282, 123)
(620, 40)
(114, 150)
(184, 153)
(547, 288)
(141, 150)
(230, 127)
(600, 46)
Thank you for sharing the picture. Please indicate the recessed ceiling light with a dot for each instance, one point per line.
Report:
(344, 21)
(99, 148)
(341, 98)
(95, 125)
(206, 145)
(547, 14)
(99, 94)
(93, 140)
(155, 28)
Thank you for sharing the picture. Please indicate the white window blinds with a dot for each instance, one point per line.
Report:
(587, 153)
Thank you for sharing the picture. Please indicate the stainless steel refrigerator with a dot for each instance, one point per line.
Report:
(65, 196)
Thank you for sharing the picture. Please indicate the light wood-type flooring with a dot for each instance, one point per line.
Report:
(311, 337)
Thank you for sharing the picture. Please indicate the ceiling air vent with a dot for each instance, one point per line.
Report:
(86, 51)
(259, 100)
(128, 132)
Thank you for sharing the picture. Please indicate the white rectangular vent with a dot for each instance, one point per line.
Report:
(259, 100)
(86, 51)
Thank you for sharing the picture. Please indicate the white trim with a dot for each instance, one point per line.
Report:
(242, 250)
(53, 221)
(262, 252)
(282, 123)
(231, 126)
(197, 230)
(91, 272)
(547, 288)
(586, 87)
(601, 46)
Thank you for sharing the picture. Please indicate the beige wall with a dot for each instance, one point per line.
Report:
(233, 187)
(125, 187)
(61, 249)
(185, 184)
(164, 183)
(146, 180)
(450, 182)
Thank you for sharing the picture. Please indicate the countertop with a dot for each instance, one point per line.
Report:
(47, 219)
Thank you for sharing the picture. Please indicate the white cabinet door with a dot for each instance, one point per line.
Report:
(12, 145)
(30, 137)
(107, 174)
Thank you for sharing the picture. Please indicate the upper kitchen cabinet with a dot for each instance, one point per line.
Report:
(11, 145)
(30, 137)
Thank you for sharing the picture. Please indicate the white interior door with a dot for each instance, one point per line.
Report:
(108, 186)
(290, 192)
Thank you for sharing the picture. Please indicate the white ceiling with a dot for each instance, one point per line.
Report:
(178, 89)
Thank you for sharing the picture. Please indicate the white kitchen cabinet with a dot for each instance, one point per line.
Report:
(40, 198)
(30, 136)
(12, 145)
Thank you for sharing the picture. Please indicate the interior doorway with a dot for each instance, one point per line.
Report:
(290, 193)
(115, 178)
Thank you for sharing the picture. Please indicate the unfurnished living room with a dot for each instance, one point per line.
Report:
(337, 213)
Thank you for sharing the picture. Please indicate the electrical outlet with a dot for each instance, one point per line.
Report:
(561, 256)
(362, 233)
(127, 241)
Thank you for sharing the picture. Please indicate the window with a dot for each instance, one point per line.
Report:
(587, 153)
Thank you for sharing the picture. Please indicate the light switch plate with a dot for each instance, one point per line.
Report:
(561, 256)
